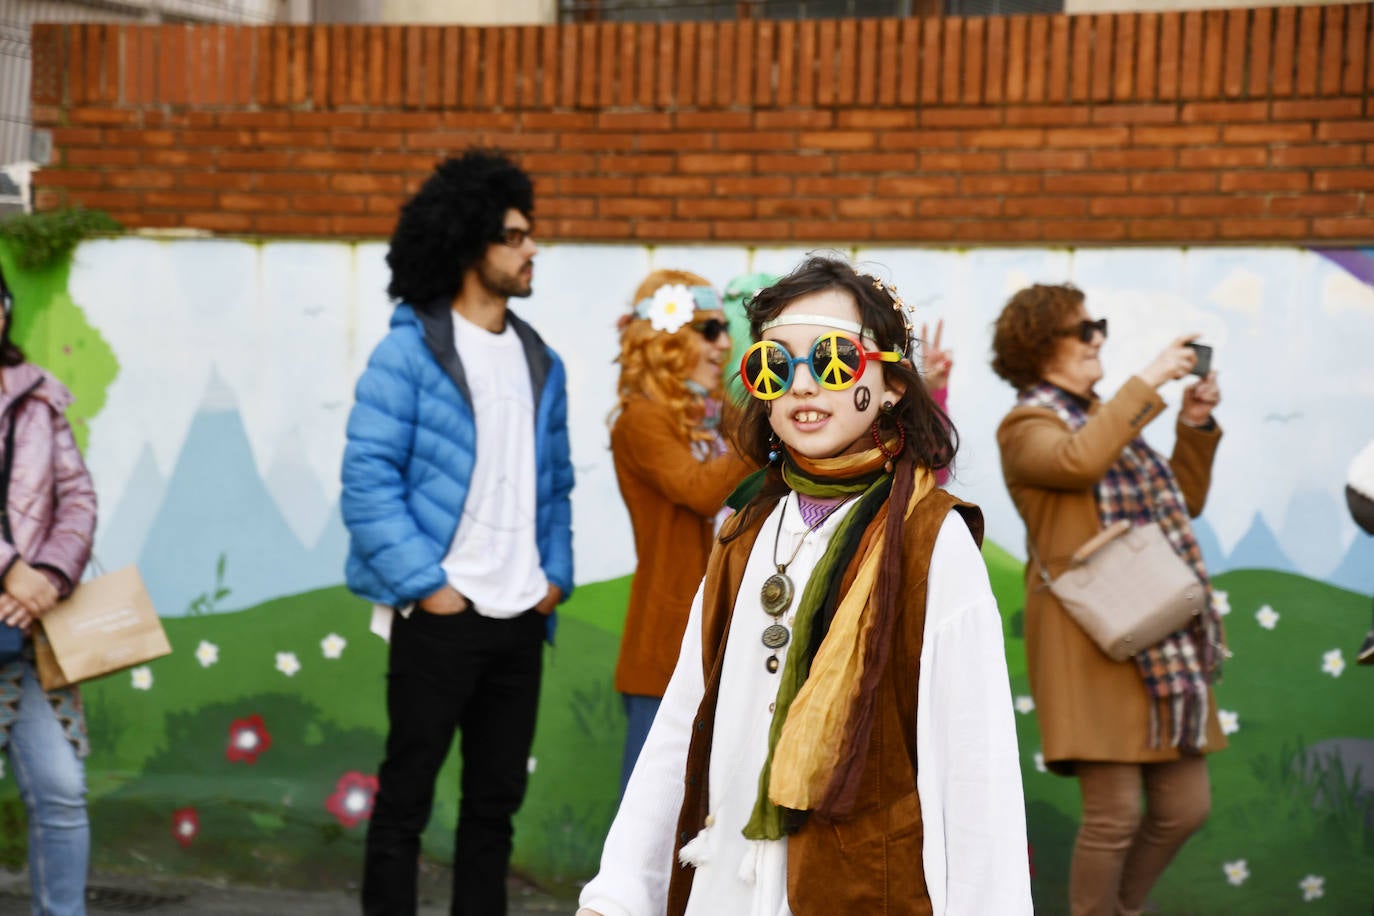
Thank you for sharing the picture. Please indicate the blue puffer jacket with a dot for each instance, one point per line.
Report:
(410, 453)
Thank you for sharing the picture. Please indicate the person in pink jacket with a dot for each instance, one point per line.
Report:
(47, 520)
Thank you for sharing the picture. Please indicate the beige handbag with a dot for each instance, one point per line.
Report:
(1128, 589)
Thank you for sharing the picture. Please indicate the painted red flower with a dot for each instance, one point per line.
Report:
(185, 826)
(247, 739)
(352, 798)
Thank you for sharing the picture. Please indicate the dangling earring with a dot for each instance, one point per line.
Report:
(774, 448)
(886, 413)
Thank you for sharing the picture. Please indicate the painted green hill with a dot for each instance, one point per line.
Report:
(163, 750)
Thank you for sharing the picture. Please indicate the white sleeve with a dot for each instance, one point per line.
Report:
(636, 861)
(968, 770)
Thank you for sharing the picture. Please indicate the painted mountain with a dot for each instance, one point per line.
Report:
(1258, 548)
(1356, 570)
(1212, 553)
(120, 534)
(216, 505)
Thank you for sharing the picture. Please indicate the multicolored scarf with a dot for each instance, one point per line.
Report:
(823, 715)
(713, 447)
(1141, 488)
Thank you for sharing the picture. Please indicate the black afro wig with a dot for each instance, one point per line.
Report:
(446, 227)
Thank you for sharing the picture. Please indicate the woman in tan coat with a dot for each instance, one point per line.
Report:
(1075, 464)
(674, 471)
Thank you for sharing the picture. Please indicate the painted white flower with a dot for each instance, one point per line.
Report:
(1313, 886)
(356, 800)
(1267, 617)
(1230, 721)
(287, 663)
(1040, 763)
(531, 764)
(333, 645)
(1222, 602)
(1236, 872)
(207, 653)
(671, 308)
(142, 677)
(1024, 704)
(1333, 662)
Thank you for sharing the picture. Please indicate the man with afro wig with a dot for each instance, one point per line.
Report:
(456, 485)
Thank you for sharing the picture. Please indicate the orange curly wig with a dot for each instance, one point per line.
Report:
(654, 364)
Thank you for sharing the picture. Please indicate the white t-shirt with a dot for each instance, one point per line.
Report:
(974, 849)
(494, 557)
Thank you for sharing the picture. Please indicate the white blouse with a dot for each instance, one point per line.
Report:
(974, 850)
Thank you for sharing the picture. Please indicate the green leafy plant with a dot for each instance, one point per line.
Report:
(42, 239)
(208, 602)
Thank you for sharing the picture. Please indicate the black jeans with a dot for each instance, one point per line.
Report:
(478, 675)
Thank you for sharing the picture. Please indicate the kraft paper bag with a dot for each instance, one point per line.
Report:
(106, 625)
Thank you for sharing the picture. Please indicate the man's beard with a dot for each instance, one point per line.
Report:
(509, 286)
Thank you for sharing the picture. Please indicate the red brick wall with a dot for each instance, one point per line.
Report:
(1207, 126)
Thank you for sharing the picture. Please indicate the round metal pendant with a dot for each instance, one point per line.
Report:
(771, 665)
(776, 636)
(776, 594)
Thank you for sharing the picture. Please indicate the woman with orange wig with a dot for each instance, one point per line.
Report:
(674, 470)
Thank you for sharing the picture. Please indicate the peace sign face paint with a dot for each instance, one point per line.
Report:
(813, 401)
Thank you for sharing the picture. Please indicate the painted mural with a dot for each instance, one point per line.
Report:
(213, 379)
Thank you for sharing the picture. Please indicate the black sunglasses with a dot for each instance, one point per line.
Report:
(711, 328)
(513, 236)
(1084, 330)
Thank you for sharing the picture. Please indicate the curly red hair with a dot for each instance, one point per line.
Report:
(1026, 333)
(655, 364)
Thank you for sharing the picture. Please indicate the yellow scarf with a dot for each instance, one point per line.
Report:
(808, 749)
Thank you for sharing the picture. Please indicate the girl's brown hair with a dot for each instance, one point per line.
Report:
(655, 364)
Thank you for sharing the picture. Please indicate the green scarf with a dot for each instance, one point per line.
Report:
(863, 475)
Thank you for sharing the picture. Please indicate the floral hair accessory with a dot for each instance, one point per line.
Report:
(671, 306)
(898, 306)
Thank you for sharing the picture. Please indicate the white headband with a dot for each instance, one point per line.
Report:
(824, 321)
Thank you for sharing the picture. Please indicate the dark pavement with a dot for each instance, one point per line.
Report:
(163, 896)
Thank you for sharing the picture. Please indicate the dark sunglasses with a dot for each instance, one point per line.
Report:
(711, 328)
(514, 236)
(1084, 330)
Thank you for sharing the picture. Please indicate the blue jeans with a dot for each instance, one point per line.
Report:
(639, 716)
(52, 782)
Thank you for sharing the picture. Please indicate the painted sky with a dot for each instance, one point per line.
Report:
(280, 331)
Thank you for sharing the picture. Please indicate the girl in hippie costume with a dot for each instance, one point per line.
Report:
(837, 735)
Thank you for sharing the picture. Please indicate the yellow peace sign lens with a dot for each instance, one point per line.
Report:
(836, 361)
(766, 370)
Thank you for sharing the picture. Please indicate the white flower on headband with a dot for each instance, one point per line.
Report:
(671, 308)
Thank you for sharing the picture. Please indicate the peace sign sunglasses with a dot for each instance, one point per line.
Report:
(836, 360)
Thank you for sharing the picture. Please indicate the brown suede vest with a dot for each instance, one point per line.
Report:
(869, 862)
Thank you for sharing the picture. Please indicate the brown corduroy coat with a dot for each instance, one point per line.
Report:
(1089, 707)
(673, 499)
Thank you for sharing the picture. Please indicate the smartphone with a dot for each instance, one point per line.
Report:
(1204, 359)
